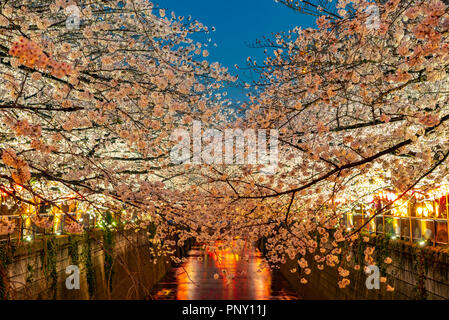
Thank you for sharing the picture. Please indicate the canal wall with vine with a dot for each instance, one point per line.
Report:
(415, 273)
(112, 266)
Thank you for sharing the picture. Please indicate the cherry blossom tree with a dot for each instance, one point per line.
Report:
(88, 104)
(91, 110)
(359, 108)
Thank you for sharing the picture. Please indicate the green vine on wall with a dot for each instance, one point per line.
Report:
(152, 230)
(48, 260)
(73, 250)
(30, 266)
(5, 260)
(87, 259)
(30, 274)
(108, 244)
(381, 253)
(420, 265)
(359, 251)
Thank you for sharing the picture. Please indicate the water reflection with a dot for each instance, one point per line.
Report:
(221, 274)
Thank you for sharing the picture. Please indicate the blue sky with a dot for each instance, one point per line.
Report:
(238, 24)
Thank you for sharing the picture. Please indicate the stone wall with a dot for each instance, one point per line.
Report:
(415, 273)
(31, 273)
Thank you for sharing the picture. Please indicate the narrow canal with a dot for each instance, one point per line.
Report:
(221, 274)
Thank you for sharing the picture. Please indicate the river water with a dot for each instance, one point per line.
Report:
(221, 274)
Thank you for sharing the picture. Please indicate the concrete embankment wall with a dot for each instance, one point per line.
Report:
(415, 274)
(37, 270)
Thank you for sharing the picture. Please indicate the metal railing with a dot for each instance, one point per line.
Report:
(413, 229)
(26, 230)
